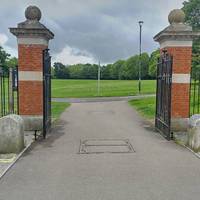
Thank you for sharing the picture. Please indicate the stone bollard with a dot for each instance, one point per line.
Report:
(11, 134)
(194, 133)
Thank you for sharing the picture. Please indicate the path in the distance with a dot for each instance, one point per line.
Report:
(101, 99)
(53, 169)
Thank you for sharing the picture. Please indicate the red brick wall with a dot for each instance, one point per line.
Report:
(182, 60)
(31, 92)
(31, 98)
(180, 100)
(30, 57)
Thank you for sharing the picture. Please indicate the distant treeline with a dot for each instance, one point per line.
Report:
(6, 60)
(120, 70)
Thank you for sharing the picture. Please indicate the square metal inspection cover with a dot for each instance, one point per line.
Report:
(105, 146)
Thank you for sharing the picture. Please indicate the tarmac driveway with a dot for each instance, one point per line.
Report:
(55, 170)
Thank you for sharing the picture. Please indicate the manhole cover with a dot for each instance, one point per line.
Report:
(105, 146)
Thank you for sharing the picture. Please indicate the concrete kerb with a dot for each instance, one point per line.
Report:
(21, 154)
(28, 141)
(196, 154)
(16, 159)
(150, 123)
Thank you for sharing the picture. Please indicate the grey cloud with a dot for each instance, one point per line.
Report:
(107, 29)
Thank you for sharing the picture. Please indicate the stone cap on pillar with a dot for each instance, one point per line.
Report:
(32, 28)
(177, 30)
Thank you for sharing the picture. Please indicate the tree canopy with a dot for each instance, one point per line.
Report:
(153, 63)
(192, 12)
(5, 59)
(120, 70)
(3, 56)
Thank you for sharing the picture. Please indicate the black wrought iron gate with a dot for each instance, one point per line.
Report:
(46, 92)
(8, 90)
(163, 95)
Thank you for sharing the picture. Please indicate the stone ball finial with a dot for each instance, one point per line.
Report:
(176, 16)
(33, 13)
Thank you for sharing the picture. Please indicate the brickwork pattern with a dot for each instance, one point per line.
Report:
(182, 59)
(180, 101)
(31, 92)
(31, 98)
(30, 57)
(180, 96)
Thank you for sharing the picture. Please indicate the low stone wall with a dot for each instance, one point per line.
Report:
(11, 134)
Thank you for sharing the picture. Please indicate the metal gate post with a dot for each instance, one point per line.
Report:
(46, 91)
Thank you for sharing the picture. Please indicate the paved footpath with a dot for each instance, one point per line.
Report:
(53, 169)
(101, 99)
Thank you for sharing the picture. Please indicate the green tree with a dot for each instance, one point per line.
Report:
(130, 68)
(89, 71)
(192, 12)
(12, 62)
(153, 63)
(76, 71)
(3, 57)
(115, 69)
(145, 65)
(121, 69)
(60, 71)
(124, 73)
(105, 72)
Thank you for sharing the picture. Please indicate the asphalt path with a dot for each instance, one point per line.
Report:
(53, 169)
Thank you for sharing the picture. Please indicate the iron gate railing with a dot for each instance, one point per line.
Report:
(195, 91)
(163, 95)
(8, 91)
(46, 92)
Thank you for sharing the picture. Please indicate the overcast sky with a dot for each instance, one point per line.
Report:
(91, 30)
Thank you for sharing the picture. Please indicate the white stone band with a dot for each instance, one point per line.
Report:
(176, 43)
(32, 122)
(30, 76)
(180, 78)
(39, 41)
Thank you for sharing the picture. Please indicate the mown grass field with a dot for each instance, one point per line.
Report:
(146, 107)
(108, 88)
(57, 108)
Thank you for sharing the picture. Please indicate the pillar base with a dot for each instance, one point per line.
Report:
(179, 124)
(32, 122)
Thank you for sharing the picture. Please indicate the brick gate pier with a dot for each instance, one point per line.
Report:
(32, 38)
(177, 40)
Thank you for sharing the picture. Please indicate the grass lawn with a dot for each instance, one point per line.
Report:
(88, 88)
(58, 108)
(146, 107)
